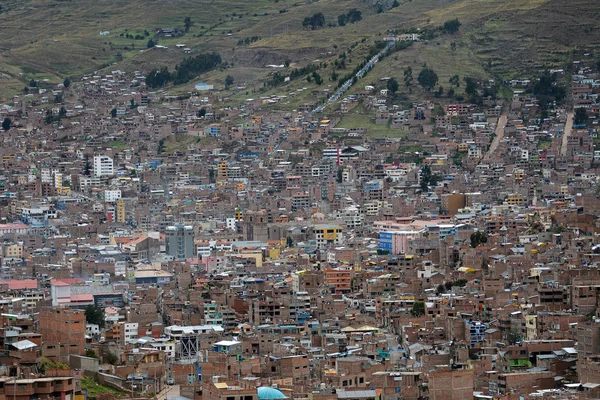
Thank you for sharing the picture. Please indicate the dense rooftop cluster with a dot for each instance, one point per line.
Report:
(155, 244)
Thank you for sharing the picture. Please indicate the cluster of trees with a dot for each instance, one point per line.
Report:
(315, 75)
(548, 91)
(184, 72)
(136, 37)
(315, 22)
(350, 17)
(94, 315)
(451, 26)
(478, 238)
(278, 78)
(248, 40)
(426, 34)
(449, 285)
(580, 116)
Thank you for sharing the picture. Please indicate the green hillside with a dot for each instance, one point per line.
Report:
(51, 39)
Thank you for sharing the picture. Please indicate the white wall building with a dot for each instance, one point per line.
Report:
(111, 196)
(103, 166)
(131, 332)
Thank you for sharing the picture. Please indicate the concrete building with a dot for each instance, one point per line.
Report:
(103, 166)
(180, 242)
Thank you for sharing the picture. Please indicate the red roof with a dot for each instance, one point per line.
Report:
(21, 284)
(66, 281)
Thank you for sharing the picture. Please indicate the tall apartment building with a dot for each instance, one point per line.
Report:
(63, 333)
(103, 166)
(180, 241)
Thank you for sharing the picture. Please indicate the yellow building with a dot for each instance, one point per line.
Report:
(222, 171)
(515, 199)
(120, 211)
(13, 251)
(328, 234)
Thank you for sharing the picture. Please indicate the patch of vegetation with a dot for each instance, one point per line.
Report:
(315, 22)
(184, 72)
(350, 17)
(94, 388)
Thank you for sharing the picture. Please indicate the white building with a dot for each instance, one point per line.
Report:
(103, 166)
(230, 223)
(87, 181)
(351, 216)
(131, 332)
(111, 196)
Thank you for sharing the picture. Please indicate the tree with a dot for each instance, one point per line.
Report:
(151, 43)
(161, 147)
(94, 315)
(111, 358)
(418, 309)
(427, 78)
(289, 241)
(408, 77)
(286, 63)
(453, 46)
(62, 112)
(353, 16)
(392, 86)
(341, 20)
(580, 116)
(6, 124)
(478, 238)
(211, 175)
(67, 82)
(202, 112)
(113, 113)
(187, 22)
(454, 80)
(451, 26)
(33, 83)
(228, 81)
(90, 353)
(88, 166)
(340, 175)
(441, 289)
(471, 86)
(427, 178)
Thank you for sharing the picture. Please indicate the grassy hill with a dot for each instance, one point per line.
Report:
(52, 39)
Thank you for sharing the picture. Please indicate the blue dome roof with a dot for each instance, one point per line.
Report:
(267, 393)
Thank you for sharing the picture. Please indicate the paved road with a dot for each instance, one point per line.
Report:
(499, 136)
(566, 133)
(338, 94)
(168, 392)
